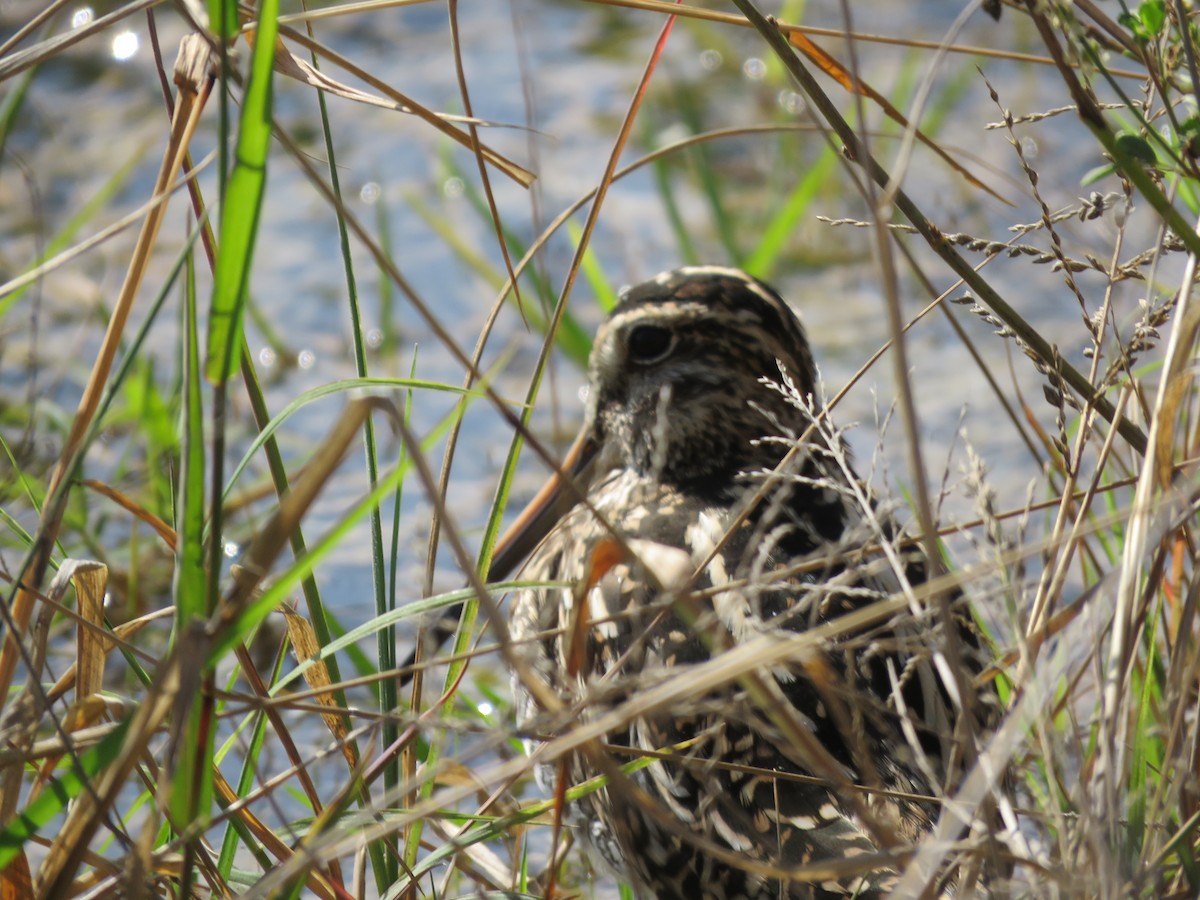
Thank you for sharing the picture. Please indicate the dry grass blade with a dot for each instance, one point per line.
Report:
(44, 268)
(161, 528)
(90, 580)
(178, 750)
(18, 62)
(278, 849)
(843, 76)
(316, 675)
(187, 116)
(1150, 506)
(714, 15)
(120, 635)
(291, 65)
(91, 584)
(237, 604)
(1038, 346)
(178, 676)
(517, 173)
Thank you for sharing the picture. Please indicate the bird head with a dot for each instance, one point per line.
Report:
(677, 372)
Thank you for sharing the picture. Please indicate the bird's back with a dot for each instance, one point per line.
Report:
(737, 797)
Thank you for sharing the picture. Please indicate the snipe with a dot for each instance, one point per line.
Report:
(712, 524)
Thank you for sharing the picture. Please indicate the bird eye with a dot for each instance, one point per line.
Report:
(649, 343)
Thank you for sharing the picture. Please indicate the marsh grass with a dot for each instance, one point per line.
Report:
(176, 725)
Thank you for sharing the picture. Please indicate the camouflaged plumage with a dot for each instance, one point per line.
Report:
(818, 759)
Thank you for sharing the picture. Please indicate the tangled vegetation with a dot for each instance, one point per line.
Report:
(176, 722)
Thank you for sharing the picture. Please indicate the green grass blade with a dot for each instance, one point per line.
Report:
(593, 273)
(764, 258)
(242, 205)
(326, 390)
(252, 615)
(192, 788)
(223, 18)
(410, 610)
(383, 865)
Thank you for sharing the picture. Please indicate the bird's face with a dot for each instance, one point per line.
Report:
(676, 367)
(673, 373)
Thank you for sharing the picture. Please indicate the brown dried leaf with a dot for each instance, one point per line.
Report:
(122, 632)
(91, 581)
(178, 674)
(316, 675)
(16, 881)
